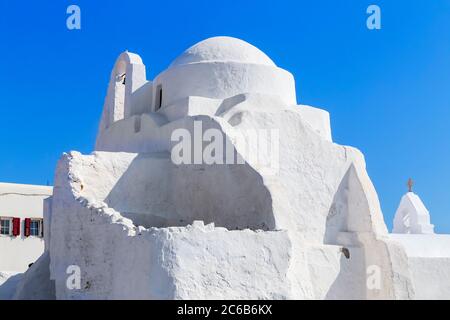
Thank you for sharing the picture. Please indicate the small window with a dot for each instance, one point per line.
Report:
(6, 226)
(121, 78)
(158, 101)
(36, 227)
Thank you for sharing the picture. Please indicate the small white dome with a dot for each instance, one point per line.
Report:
(223, 49)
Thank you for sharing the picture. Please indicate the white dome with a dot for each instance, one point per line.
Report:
(223, 49)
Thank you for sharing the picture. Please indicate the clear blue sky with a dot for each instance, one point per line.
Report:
(388, 91)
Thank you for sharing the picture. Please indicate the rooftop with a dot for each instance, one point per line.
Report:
(220, 49)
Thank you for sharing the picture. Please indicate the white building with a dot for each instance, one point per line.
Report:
(21, 230)
(140, 225)
(21, 225)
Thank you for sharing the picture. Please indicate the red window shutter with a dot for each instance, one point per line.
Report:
(27, 227)
(16, 227)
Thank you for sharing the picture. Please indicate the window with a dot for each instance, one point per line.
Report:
(6, 226)
(158, 102)
(36, 227)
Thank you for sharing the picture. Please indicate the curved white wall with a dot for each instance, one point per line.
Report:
(220, 80)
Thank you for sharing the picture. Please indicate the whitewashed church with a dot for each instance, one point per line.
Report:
(140, 226)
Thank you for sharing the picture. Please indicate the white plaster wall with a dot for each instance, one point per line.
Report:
(47, 222)
(424, 245)
(257, 271)
(221, 80)
(156, 128)
(318, 119)
(431, 277)
(310, 173)
(335, 276)
(429, 262)
(152, 191)
(178, 262)
(191, 106)
(21, 201)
